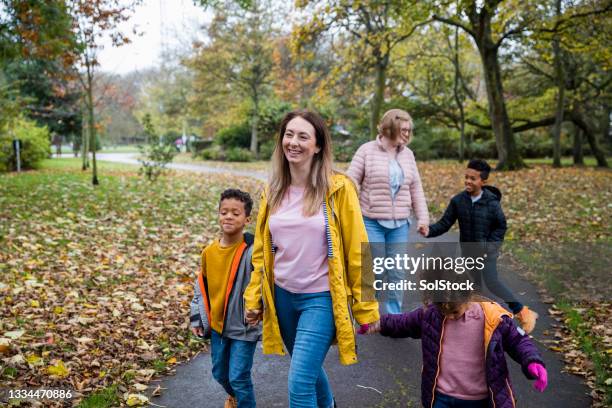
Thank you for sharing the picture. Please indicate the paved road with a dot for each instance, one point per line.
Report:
(388, 372)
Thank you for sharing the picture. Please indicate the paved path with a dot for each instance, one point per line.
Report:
(131, 158)
(390, 367)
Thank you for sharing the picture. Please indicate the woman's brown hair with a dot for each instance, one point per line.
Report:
(320, 170)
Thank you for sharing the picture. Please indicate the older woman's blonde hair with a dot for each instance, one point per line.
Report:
(390, 124)
(321, 169)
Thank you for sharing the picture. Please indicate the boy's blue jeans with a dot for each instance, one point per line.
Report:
(379, 234)
(232, 361)
(446, 401)
(307, 326)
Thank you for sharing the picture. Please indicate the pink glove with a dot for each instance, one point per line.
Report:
(539, 372)
(363, 329)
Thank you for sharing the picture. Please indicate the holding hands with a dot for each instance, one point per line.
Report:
(369, 328)
(252, 317)
(423, 230)
(197, 331)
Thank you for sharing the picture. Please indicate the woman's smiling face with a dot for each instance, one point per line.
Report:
(300, 142)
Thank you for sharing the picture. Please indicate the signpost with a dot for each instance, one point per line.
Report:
(17, 147)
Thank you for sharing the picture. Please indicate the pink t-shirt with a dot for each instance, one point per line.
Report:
(300, 261)
(462, 363)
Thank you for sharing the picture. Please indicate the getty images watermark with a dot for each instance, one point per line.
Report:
(424, 270)
(405, 264)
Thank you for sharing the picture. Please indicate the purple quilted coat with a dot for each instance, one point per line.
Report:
(501, 335)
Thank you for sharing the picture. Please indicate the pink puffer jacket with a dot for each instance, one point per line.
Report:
(370, 171)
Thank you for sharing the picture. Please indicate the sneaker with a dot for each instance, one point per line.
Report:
(230, 402)
(527, 319)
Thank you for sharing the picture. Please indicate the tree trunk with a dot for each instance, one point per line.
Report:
(254, 124)
(577, 151)
(92, 127)
(579, 120)
(458, 99)
(557, 127)
(605, 126)
(508, 154)
(377, 99)
(85, 147)
(595, 149)
(560, 79)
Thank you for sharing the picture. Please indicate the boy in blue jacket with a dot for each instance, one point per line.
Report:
(481, 220)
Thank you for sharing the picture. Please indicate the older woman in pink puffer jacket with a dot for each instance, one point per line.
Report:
(390, 193)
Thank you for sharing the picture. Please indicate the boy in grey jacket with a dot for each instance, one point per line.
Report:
(217, 310)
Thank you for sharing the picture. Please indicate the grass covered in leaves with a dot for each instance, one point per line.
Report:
(95, 283)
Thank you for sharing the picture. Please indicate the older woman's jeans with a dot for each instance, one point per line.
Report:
(307, 327)
(392, 238)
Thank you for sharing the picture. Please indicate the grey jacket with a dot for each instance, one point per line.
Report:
(234, 326)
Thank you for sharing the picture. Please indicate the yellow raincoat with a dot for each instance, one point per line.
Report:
(345, 276)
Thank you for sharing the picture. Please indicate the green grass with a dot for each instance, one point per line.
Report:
(260, 165)
(75, 163)
(589, 161)
(61, 192)
(8, 372)
(106, 398)
(577, 321)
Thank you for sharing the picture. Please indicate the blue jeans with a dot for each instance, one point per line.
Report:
(392, 238)
(231, 367)
(446, 401)
(307, 326)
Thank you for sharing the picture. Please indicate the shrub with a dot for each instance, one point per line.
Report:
(197, 146)
(236, 154)
(35, 145)
(435, 143)
(212, 153)
(266, 149)
(234, 136)
(270, 116)
(485, 149)
(155, 156)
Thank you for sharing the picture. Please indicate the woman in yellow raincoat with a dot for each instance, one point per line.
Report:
(307, 283)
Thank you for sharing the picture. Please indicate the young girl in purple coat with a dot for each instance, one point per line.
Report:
(463, 342)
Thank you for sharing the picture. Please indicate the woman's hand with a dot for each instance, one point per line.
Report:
(253, 316)
(424, 230)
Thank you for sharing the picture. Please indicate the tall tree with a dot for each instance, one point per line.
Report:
(490, 23)
(92, 21)
(37, 46)
(565, 54)
(237, 61)
(438, 70)
(377, 27)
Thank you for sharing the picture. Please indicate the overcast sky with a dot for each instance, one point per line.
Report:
(176, 21)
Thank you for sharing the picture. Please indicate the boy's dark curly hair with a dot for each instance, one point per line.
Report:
(239, 195)
(481, 166)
